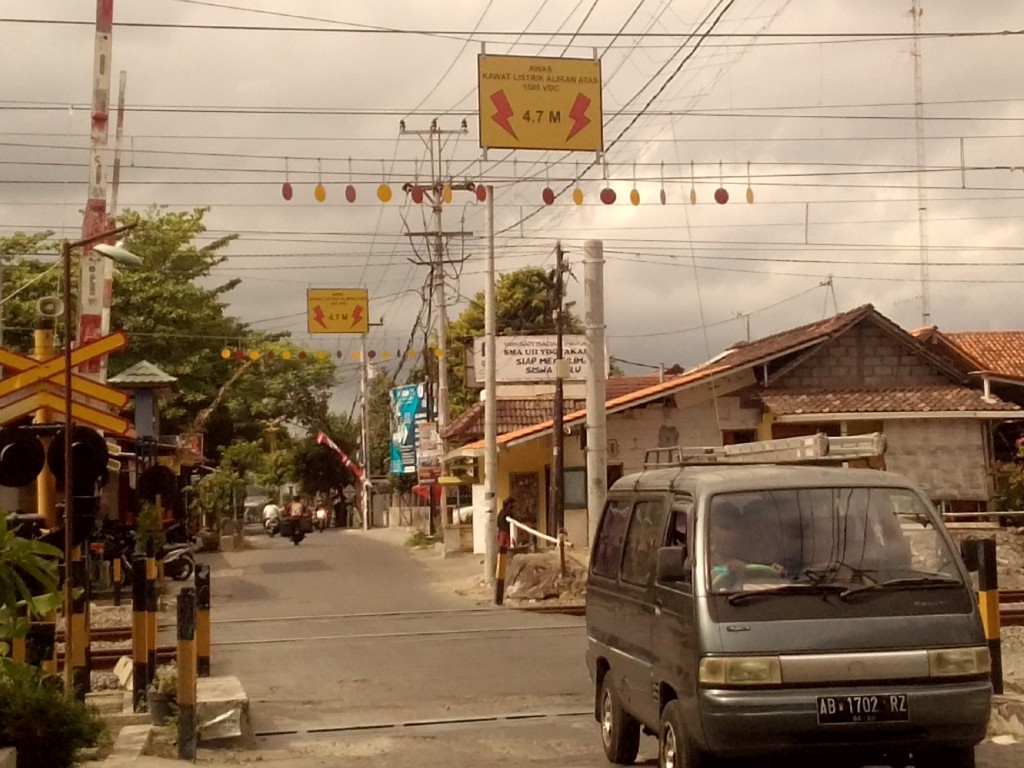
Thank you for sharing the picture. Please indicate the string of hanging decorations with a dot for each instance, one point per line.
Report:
(417, 191)
(229, 353)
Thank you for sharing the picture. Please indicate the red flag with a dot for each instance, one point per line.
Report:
(323, 439)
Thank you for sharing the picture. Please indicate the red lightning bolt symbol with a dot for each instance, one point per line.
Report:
(500, 101)
(318, 315)
(357, 315)
(578, 113)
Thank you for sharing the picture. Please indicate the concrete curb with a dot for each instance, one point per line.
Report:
(215, 695)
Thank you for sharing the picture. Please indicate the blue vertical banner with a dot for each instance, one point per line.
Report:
(408, 408)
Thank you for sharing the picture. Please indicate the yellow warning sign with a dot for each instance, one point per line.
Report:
(337, 310)
(535, 102)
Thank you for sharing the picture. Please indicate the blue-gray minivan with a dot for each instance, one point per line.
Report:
(768, 610)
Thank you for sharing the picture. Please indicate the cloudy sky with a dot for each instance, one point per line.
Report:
(809, 104)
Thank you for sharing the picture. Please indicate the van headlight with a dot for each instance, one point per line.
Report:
(957, 662)
(740, 670)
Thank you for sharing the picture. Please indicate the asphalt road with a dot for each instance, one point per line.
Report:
(353, 651)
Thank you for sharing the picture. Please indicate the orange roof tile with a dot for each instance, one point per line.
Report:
(935, 399)
(997, 352)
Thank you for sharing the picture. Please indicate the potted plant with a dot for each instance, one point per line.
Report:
(162, 694)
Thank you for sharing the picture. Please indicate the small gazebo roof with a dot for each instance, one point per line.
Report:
(143, 375)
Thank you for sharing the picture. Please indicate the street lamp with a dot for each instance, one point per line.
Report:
(118, 255)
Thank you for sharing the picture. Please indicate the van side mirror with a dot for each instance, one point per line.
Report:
(672, 565)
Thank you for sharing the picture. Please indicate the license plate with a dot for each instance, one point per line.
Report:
(869, 708)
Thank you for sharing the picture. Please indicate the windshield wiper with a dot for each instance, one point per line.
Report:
(785, 589)
(914, 582)
(828, 572)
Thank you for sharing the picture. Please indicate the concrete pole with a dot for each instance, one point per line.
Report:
(490, 403)
(597, 443)
(364, 394)
(441, 329)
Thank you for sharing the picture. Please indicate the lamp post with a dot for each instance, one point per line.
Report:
(118, 255)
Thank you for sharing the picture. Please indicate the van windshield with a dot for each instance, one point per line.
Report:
(882, 538)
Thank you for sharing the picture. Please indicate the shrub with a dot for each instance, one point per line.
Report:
(44, 726)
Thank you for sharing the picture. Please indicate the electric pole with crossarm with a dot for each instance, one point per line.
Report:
(437, 192)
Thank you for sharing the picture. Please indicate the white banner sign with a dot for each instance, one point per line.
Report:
(532, 358)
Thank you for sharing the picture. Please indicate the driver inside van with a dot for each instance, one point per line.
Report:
(736, 546)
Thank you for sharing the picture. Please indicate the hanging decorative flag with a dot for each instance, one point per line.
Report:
(721, 194)
(661, 194)
(577, 194)
(350, 190)
(319, 192)
(634, 193)
(607, 195)
(417, 194)
(481, 192)
(446, 194)
(750, 191)
(286, 188)
(547, 194)
(693, 192)
(384, 189)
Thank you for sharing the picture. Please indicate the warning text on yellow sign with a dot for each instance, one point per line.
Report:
(337, 310)
(531, 102)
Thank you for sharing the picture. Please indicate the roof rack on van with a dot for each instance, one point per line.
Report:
(819, 448)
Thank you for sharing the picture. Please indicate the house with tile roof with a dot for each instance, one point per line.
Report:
(854, 373)
(993, 359)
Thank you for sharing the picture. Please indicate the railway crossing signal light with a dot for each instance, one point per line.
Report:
(22, 458)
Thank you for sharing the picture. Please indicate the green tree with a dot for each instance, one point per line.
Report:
(523, 307)
(174, 316)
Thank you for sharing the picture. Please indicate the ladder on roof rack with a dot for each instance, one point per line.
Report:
(818, 448)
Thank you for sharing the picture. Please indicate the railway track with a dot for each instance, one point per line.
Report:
(1010, 613)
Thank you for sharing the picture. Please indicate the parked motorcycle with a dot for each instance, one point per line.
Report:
(178, 558)
(320, 519)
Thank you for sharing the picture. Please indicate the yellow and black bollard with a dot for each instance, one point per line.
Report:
(152, 608)
(499, 580)
(49, 652)
(140, 645)
(203, 619)
(117, 573)
(988, 602)
(187, 736)
(77, 654)
(19, 645)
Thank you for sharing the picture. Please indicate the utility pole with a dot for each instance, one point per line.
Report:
(437, 193)
(922, 206)
(490, 405)
(95, 273)
(364, 430)
(557, 503)
(364, 391)
(597, 437)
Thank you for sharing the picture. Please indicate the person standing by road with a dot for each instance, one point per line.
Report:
(504, 526)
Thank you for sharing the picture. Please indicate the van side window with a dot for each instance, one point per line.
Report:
(608, 546)
(646, 531)
(682, 509)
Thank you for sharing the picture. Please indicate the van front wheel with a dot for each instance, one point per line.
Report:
(620, 732)
(951, 757)
(675, 748)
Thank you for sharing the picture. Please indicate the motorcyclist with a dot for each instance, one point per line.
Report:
(296, 512)
(296, 508)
